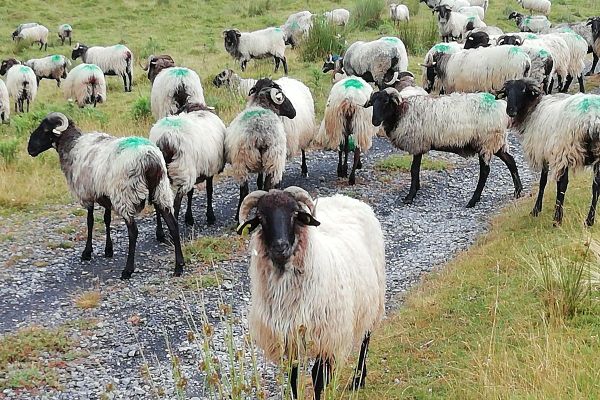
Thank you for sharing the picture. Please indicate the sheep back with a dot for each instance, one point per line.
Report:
(116, 59)
(300, 131)
(84, 82)
(263, 43)
(171, 82)
(21, 80)
(375, 57)
(4, 103)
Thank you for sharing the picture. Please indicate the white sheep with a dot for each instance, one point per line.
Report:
(233, 81)
(532, 23)
(334, 63)
(577, 50)
(21, 83)
(256, 142)
(585, 30)
(320, 291)
(462, 123)
(473, 11)
(265, 43)
(481, 3)
(560, 134)
(86, 85)
(34, 34)
(192, 144)
(441, 48)
(399, 13)
(114, 60)
(296, 27)
(346, 123)
(65, 31)
(21, 27)
(117, 173)
(51, 67)
(454, 25)
(4, 103)
(339, 16)
(172, 89)
(541, 6)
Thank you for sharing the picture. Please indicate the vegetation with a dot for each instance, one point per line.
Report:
(397, 163)
(87, 300)
(209, 249)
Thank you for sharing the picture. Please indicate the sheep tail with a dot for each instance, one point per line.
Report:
(157, 182)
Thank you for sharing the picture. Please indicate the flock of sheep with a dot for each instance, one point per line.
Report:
(485, 82)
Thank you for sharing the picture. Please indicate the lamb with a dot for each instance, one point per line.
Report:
(192, 144)
(65, 31)
(302, 303)
(21, 83)
(461, 123)
(454, 25)
(114, 60)
(346, 124)
(560, 134)
(255, 141)
(86, 85)
(334, 63)
(4, 104)
(299, 131)
(399, 13)
(376, 61)
(34, 34)
(234, 82)
(477, 70)
(156, 64)
(172, 89)
(51, 67)
(541, 6)
(117, 173)
(594, 23)
(473, 11)
(535, 23)
(297, 27)
(244, 46)
(339, 16)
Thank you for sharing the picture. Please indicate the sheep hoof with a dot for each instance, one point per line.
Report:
(178, 271)
(352, 180)
(161, 237)
(86, 255)
(589, 221)
(472, 203)
(108, 252)
(589, 73)
(189, 220)
(535, 212)
(517, 193)
(408, 200)
(210, 219)
(358, 383)
(556, 223)
(126, 275)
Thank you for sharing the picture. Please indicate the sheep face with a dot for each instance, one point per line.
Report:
(477, 39)
(157, 64)
(224, 78)
(386, 108)
(78, 51)
(594, 23)
(7, 64)
(511, 40)
(232, 40)
(516, 16)
(45, 136)
(443, 13)
(330, 63)
(431, 72)
(266, 93)
(15, 34)
(520, 96)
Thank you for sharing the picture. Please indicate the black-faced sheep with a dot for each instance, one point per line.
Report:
(34, 33)
(265, 43)
(51, 67)
(156, 64)
(114, 60)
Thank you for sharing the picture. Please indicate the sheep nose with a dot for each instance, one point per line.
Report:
(280, 246)
(511, 112)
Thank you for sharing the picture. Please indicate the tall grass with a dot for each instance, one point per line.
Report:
(367, 13)
(8, 150)
(418, 38)
(322, 40)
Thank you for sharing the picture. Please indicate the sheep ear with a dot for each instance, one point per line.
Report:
(500, 94)
(307, 219)
(248, 226)
(368, 104)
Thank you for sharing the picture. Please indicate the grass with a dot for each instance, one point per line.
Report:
(323, 39)
(209, 250)
(398, 163)
(88, 299)
(367, 13)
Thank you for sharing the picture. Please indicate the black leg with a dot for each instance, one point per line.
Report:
(130, 77)
(276, 63)
(346, 151)
(568, 81)
(243, 194)
(268, 182)
(132, 232)
(537, 208)
(189, 216)
(550, 86)
(321, 372)
(58, 82)
(285, 67)
(294, 381)
(304, 169)
(595, 191)
(243, 65)
(514, 172)
(561, 189)
(174, 231)
(581, 85)
(361, 369)
(27, 105)
(125, 81)
(210, 214)
(87, 252)
(177, 205)
(260, 181)
(160, 233)
(415, 183)
(108, 248)
(594, 63)
(339, 166)
(352, 179)
(484, 171)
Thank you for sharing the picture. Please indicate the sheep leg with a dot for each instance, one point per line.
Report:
(174, 231)
(108, 247)
(210, 213)
(581, 86)
(243, 194)
(27, 105)
(561, 189)
(594, 63)
(304, 168)
(132, 233)
(352, 179)
(514, 172)
(540, 197)
(360, 373)
(276, 63)
(268, 182)
(294, 381)
(57, 82)
(568, 81)
(285, 67)
(415, 183)
(595, 192)
(321, 374)
(189, 217)
(160, 233)
(484, 171)
(243, 65)
(260, 182)
(125, 82)
(339, 166)
(549, 91)
(87, 252)
(70, 41)
(346, 151)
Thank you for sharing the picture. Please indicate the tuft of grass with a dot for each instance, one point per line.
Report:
(418, 37)
(200, 281)
(8, 150)
(398, 163)
(208, 250)
(322, 40)
(367, 13)
(141, 108)
(88, 299)
(258, 7)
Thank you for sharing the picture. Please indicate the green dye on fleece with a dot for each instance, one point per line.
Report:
(351, 143)
(178, 71)
(515, 50)
(91, 67)
(543, 53)
(353, 83)
(24, 69)
(134, 142)
(66, 27)
(488, 101)
(254, 114)
(171, 122)
(588, 103)
(56, 58)
(390, 39)
(441, 48)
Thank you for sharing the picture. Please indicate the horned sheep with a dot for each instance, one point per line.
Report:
(51, 67)
(541, 6)
(156, 64)
(339, 16)
(113, 60)
(4, 103)
(334, 63)
(244, 46)
(172, 89)
(65, 31)
(86, 85)
(21, 83)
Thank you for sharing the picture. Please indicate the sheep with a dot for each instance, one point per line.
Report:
(481, 3)
(454, 25)
(244, 46)
(452, 4)
(117, 173)
(51, 67)
(26, 25)
(594, 23)
(317, 286)
(86, 85)
(339, 16)
(334, 63)
(406, 85)
(534, 24)
(541, 6)
(490, 30)
(172, 89)
(473, 10)
(234, 82)
(376, 61)
(34, 34)
(461, 123)
(449, 48)
(156, 64)
(560, 134)
(399, 13)
(475, 40)
(296, 27)
(583, 29)
(192, 144)
(256, 142)
(577, 50)
(346, 123)
(481, 69)
(4, 104)
(65, 31)
(21, 83)
(114, 60)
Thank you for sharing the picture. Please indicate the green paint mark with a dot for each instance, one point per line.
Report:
(515, 50)
(134, 142)
(56, 58)
(91, 67)
(488, 101)
(119, 46)
(390, 39)
(250, 114)
(23, 69)
(178, 71)
(351, 143)
(441, 48)
(277, 29)
(294, 25)
(471, 18)
(543, 53)
(531, 36)
(589, 102)
(527, 21)
(66, 27)
(171, 122)
(353, 83)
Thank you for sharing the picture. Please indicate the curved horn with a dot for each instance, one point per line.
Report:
(250, 203)
(519, 41)
(76, 46)
(393, 80)
(301, 197)
(64, 122)
(500, 39)
(277, 96)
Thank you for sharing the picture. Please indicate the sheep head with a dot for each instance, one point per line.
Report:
(521, 95)
(333, 63)
(268, 94)
(78, 51)
(388, 107)
(231, 38)
(46, 134)
(512, 40)
(223, 78)
(7, 64)
(477, 39)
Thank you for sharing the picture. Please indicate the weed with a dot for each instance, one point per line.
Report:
(322, 40)
(87, 300)
(208, 250)
(397, 163)
(8, 150)
(141, 108)
(258, 7)
(418, 38)
(367, 13)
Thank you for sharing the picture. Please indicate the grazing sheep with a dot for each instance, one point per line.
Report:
(318, 285)
(560, 134)
(233, 81)
(192, 144)
(65, 31)
(34, 34)
(117, 173)
(296, 27)
(4, 103)
(534, 24)
(172, 89)
(541, 6)
(346, 123)
(334, 63)
(114, 60)
(454, 25)
(86, 85)
(399, 13)
(21, 83)
(256, 142)
(461, 123)
(477, 70)
(156, 64)
(339, 16)
(51, 67)
(245, 46)
(473, 11)
(26, 25)
(594, 24)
